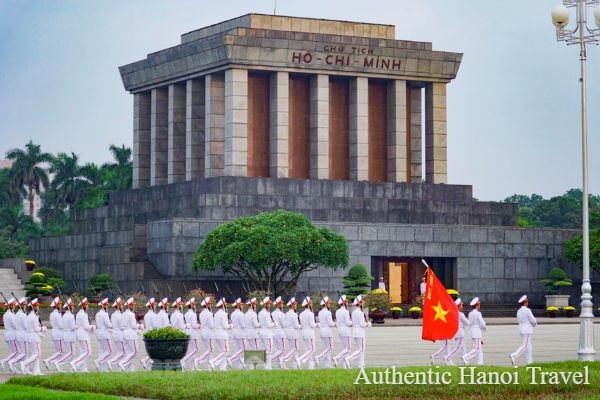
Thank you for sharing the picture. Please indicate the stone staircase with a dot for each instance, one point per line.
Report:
(10, 282)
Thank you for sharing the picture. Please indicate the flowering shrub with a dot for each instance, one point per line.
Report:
(378, 300)
(414, 309)
(452, 292)
(551, 308)
(569, 308)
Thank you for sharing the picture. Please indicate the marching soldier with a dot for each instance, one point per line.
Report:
(252, 325)
(238, 322)
(162, 317)
(130, 332)
(326, 323)
(207, 325)
(10, 330)
(278, 331)
(69, 335)
(82, 320)
(308, 325)
(459, 338)
(267, 324)
(292, 325)
(177, 321)
(359, 323)
(526, 322)
(150, 322)
(57, 335)
(31, 365)
(117, 334)
(20, 336)
(220, 336)
(103, 335)
(344, 323)
(192, 329)
(477, 328)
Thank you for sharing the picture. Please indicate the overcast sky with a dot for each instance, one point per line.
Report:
(513, 111)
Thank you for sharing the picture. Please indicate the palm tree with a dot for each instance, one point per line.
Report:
(93, 174)
(27, 177)
(120, 173)
(68, 182)
(7, 197)
(19, 225)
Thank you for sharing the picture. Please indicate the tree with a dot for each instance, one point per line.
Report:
(119, 175)
(27, 177)
(10, 247)
(557, 278)
(8, 197)
(69, 181)
(271, 250)
(574, 250)
(358, 281)
(18, 225)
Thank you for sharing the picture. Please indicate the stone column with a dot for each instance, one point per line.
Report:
(176, 157)
(416, 133)
(159, 136)
(279, 124)
(319, 127)
(141, 139)
(359, 129)
(435, 133)
(194, 129)
(397, 131)
(214, 123)
(236, 122)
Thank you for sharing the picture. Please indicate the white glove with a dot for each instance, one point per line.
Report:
(369, 324)
(275, 324)
(44, 329)
(187, 326)
(140, 326)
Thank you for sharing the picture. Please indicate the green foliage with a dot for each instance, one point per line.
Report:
(557, 277)
(166, 333)
(21, 392)
(11, 248)
(101, 283)
(358, 281)
(574, 250)
(378, 300)
(40, 284)
(271, 250)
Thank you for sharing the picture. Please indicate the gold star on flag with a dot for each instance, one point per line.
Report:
(440, 313)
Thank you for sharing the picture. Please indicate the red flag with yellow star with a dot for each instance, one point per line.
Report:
(440, 314)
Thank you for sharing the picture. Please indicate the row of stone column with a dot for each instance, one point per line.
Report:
(199, 128)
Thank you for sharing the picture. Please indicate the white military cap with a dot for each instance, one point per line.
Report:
(12, 300)
(205, 301)
(190, 302)
(357, 299)
(178, 300)
(324, 300)
(23, 300)
(251, 301)
(117, 301)
(238, 301)
(458, 301)
(221, 302)
(342, 299)
(474, 301)
(305, 301)
(68, 303)
(130, 301)
(265, 301)
(292, 301)
(52, 304)
(104, 301)
(523, 298)
(278, 300)
(164, 302)
(84, 300)
(35, 301)
(151, 301)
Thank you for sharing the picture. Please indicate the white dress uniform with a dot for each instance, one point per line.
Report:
(477, 328)
(207, 326)
(117, 338)
(31, 365)
(10, 329)
(252, 326)
(278, 333)
(83, 341)
(130, 335)
(359, 323)
(344, 323)
(150, 319)
(162, 319)
(220, 337)
(526, 322)
(192, 329)
(177, 320)
(459, 338)
(69, 338)
(292, 326)
(326, 323)
(238, 322)
(57, 335)
(266, 334)
(20, 337)
(308, 325)
(103, 335)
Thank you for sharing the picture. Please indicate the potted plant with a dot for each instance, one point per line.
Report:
(557, 278)
(453, 293)
(29, 265)
(570, 311)
(378, 303)
(552, 311)
(358, 281)
(415, 312)
(99, 284)
(396, 312)
(166, 347)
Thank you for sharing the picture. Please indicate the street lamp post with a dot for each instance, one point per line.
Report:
(582, 35)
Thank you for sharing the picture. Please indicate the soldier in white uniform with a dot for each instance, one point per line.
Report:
(326, 323)
(150, 323)
(220, 336)
(193, 329)
(526, 322)
(278, 332)
(82, 320)
(31, 365)
(162, 317)
(69, 335)
(477, 328)
(308, 325)
(10, 329)
(344, 323)
(207, 326)
(359, 323)
(238, 322)
(267, 324)
(56, 325)
(117, 334)
(177, 320)
(252, 325)
(20, 336)
(103, 335)
(459, 338)
(130, 334)
(292, 325)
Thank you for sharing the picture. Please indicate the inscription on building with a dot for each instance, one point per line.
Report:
(346, 56)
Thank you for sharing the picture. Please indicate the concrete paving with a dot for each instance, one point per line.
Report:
(402, 345)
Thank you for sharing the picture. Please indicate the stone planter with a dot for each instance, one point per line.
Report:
(396, 314)
(166, 353)
(552, 314)
(557, 300)
(378, 317)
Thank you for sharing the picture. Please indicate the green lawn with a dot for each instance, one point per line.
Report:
(20, 392)
(315, 384)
